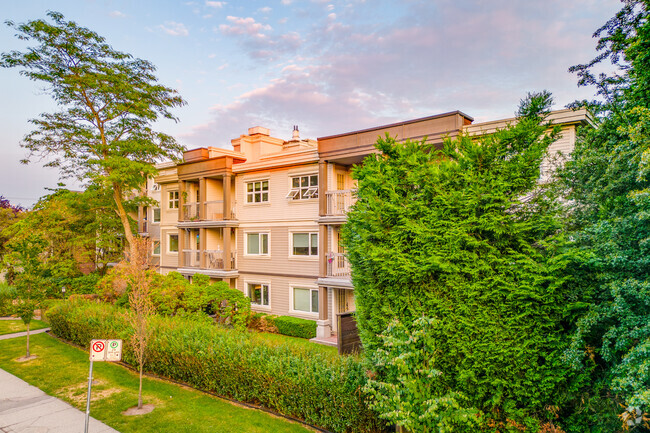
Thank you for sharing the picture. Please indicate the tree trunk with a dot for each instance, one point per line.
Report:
(140, 391)
(124, 218)
(27, 355)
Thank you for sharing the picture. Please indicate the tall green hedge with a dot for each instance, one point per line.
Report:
(463, 235)
(323, 390)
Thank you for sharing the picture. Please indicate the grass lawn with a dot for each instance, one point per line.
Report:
(62, 371)
(11, 326)
(301, 343)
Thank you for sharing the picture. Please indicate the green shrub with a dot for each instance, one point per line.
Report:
(324, 390)
(294, 326)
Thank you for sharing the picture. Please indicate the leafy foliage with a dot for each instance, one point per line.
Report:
(323, 390)
(462, 235)
(410, 392)
(24, 256)
(103, 134)
(608, 185)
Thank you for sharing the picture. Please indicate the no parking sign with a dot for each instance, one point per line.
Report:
(106, 350)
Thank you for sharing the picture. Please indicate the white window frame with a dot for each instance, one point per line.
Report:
(292, 307)
(309, 237)
(153, 247)
(153, 215)
(173, 199)
(268, 243)
(311, 191)
(169, 243)
(247, 285)
(260, 192)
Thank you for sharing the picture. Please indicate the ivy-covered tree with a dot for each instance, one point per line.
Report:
(461, 235)
(608, 184)
(109, 101)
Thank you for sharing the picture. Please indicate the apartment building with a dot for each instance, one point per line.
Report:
(266, 216)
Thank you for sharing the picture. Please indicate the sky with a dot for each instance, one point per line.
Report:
(327, 66)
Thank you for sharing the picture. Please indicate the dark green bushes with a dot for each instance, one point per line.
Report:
(294, 326)
(323, 390)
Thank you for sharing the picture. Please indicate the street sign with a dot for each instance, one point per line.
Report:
(114, 350)
(97, 350)
(106, 350)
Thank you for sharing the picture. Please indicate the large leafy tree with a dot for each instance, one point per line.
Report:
(609, 217)
(76, 227)
(9, 215)
(109, 101)
(461, 235)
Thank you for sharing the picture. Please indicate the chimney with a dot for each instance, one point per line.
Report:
(296, 133)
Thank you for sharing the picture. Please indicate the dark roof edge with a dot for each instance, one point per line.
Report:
(404, 122)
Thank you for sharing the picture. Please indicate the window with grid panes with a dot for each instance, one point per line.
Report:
(304, 187)
(257, 192)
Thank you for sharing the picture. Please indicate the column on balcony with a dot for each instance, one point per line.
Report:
(322, 188)
(181, 247)
(181, 200)
(227, 205)
(323, 325)
(141, 220)
(202, 248)
(202, 198)
(323, 247)
(227, 263)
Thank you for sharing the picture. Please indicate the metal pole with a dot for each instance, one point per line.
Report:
(90, 383)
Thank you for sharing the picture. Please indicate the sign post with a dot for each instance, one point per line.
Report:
(101, 350)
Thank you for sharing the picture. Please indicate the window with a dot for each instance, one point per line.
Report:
(304, 244)
(156, 215)
(303, 187)
(155, 187)
(156, 248)
(259, 294)
(173, 200)
(257, 192)
(173, 243)
(257, 244)
(305, 300)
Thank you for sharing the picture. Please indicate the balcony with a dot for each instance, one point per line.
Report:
(337, 273)
(214, 263)
(214, 259)
(214, 210)
(207, 214)
(338, 204)
(191, 211)
(338, 265)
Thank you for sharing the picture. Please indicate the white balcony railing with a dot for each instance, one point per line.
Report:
(214, 210)
(214, 259)
(339, 201)
(191, 211)
(337, 265)
(191, 258)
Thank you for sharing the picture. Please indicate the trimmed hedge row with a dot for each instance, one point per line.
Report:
(324, 390)
(294, 326)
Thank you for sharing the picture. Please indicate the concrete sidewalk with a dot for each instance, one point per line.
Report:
(22, 334)
(27, 409)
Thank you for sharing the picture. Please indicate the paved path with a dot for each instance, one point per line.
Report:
(26, 409)
(22, 334)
